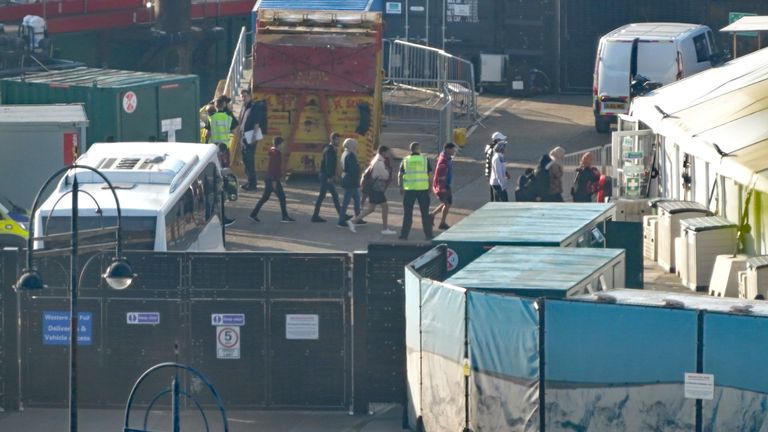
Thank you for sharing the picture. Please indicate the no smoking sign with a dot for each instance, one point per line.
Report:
(227, 342)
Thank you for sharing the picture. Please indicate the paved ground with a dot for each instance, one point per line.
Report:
(533, 125)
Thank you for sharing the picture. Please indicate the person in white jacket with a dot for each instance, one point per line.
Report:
(499, 177)
(374, 183)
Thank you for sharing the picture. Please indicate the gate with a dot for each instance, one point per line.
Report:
(265, 334)
(428, 86)
(380, 305)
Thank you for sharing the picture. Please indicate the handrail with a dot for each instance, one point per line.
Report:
(236, 68)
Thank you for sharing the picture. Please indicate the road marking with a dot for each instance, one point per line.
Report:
(486, 114)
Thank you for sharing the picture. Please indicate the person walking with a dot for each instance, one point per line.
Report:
(413, 178)
(499, 179)
(555, 193)
(587, 181)
(350, 181)
(327, 176)
(496, 138)
(272, 182)
(374, 183)
(441, 184)
(254, 123)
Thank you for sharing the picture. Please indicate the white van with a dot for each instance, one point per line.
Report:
(661, 52)
(171, 197)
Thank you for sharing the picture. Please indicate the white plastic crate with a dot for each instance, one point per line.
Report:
(650, 230)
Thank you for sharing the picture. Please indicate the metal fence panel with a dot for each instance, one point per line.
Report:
(227, 274)
(422, 81)
(138, 335)
(167, 315)
(384, 296)
(308, 358)
(236, 367)
(319, 274)
(45, 347)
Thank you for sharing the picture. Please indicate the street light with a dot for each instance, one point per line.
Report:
(118, 275)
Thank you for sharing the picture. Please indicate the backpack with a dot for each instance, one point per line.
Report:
(540, 183)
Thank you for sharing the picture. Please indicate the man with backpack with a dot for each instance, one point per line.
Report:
(496, 138)
(587, 181)
(548, 177)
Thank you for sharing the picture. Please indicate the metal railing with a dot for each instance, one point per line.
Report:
(237, 67)
(418, 79)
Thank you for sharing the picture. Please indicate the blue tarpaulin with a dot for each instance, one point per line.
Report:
(618, 367)
(443, 335)
(735, 353)
(504, 354)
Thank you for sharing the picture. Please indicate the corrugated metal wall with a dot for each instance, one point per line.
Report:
(557, 36)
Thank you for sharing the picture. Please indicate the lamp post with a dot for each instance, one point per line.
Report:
(118, 275)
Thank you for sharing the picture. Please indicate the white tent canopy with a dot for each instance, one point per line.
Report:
(724, 108)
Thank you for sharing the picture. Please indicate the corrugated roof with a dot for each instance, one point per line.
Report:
(748, 23)
(726, 106)
(319, 5)
(527, 222)
(90, 77)
(522, 269)
(688, 301)
(43, 114)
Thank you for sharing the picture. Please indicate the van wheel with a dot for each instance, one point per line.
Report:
(602, 126)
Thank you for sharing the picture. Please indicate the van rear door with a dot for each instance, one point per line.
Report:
(613, 77)
(657, 60)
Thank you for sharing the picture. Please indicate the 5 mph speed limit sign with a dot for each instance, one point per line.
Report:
(227, 342)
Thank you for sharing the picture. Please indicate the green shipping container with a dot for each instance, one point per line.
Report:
(523, 224)
(121, 105)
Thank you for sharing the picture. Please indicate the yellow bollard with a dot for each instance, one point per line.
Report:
(460, 137)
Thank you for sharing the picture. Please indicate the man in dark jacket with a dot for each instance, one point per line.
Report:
(327, 177)
(254, 121)
(272, 182)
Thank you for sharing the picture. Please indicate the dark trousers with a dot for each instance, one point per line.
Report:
(499, 194)
(270, 185)
(409, 199)
(249, 151)
(326, 186)
(350, 194)
(493, 194)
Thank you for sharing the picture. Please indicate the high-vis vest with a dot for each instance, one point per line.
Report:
(220, 125)
(415, 176)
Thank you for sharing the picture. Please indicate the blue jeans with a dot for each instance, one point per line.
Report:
(349, 194)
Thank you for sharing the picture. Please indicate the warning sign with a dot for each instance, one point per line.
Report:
(228, 342)
(453, 259)
(130, 102)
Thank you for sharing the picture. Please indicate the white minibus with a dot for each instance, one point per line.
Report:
(171, 197)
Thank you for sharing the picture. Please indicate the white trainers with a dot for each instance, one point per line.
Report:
(388, 232)
(351, 226)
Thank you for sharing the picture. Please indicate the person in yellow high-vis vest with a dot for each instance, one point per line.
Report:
(221, 124)
(414, 186)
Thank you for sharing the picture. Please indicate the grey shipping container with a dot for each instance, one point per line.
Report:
(35, 141)
(121, 105)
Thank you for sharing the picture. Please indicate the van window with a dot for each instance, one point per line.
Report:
(187, 218)
(702, 47)
(712, 43)
(138, 231)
